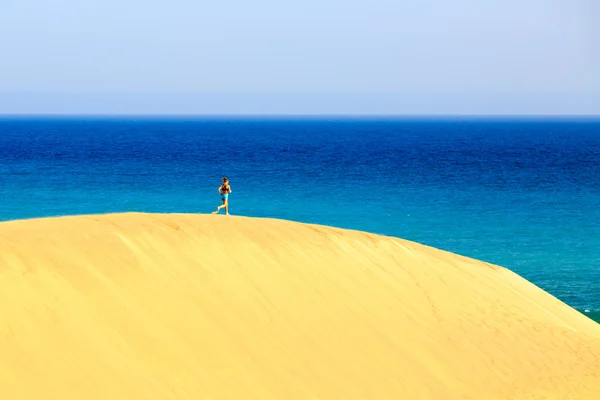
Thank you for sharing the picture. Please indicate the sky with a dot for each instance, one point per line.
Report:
(308, 57)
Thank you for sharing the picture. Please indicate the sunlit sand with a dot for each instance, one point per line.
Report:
(142, 306)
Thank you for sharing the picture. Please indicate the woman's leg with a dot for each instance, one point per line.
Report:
(221, 206)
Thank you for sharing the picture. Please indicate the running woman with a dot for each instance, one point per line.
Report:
(224, 191)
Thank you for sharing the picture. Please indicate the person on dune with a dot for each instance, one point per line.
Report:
(224, 191)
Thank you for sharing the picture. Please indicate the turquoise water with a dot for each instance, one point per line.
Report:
(522, 194)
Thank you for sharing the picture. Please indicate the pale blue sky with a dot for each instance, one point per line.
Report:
(323, 57)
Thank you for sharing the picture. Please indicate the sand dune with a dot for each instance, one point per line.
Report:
(135, 306)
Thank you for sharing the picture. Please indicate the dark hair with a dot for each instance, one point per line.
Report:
(225, 179)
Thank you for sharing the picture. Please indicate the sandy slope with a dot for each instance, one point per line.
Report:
(136, 306)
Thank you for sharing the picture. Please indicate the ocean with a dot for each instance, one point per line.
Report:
(521, 193)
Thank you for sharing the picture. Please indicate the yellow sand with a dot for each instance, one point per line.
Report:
(136, 306)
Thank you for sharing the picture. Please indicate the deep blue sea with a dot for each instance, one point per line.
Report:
(524, 194)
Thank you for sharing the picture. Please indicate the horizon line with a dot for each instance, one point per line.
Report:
(299, 115)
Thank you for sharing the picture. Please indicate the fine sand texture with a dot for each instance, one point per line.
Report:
(142, 306)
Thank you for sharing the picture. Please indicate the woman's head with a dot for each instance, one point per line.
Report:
(225, 180)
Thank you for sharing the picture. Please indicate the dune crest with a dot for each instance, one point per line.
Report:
(142, 306)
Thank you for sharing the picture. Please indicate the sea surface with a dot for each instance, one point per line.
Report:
(524, 194)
